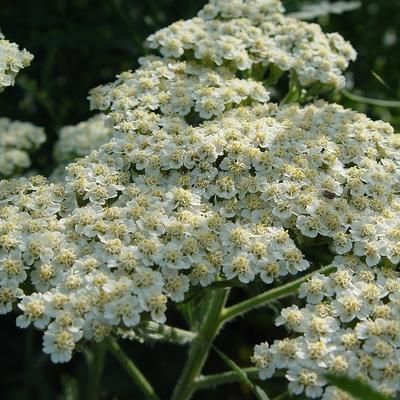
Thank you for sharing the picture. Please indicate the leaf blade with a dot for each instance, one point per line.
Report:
(258, 392)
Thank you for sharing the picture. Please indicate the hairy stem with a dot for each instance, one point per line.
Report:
(141, 382)
(201, 345)
(206, 381)
(149, 330)
(273, 294)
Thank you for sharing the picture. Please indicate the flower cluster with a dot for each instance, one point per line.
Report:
(350, 325)
(180, 89)
(17, 140)
(79, 140)
(152, 212)
(11, 61)
(253, 35)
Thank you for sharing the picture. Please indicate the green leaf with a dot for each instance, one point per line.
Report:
(258, 392)
(379, 79)
(355, 387)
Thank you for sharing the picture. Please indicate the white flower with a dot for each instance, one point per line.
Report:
(33, 308)
(349, 306)
(125, 310)
(315, 289)
(305, 380)
(264, 360)
(269, 269)
(176, 285)
(156, 304)
(9, 293)
(294, 318)
(238, 265)
(60, 344)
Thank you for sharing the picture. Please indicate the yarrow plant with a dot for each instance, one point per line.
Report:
(192, 181)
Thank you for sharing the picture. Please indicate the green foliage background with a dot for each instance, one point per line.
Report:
(79, 44)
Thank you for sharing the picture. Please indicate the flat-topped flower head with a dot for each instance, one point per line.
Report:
(253, 36)
(173, 88)
(206, 205)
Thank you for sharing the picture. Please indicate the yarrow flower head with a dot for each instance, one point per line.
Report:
(12, 60)
(207, 204)
(17, 140)
(251, 35)
(79, 140)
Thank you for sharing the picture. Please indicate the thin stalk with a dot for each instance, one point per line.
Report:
(290, 97)
(368, 100)
(95, 359)
(133, 371)
(274, 75)
(158, 332)
(294, 89)
(282, 396)
(201, 345)
(206, 381)
(273, 294)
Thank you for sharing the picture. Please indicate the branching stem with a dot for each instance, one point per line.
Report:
(273, 294)
(201, 345)
(206, 381)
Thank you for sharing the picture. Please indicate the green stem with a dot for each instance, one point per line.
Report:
(153, 331)
(203, 382)
(273, 294)
(95, 359)
(201, 345)
(282, 396)
(294, 89)
(368, 100)
(133, 371)
(274, 75)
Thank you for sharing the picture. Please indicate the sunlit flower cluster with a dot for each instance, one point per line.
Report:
(152, 212)
(174, 88)
(350, 325)
(253, 36)
(12, 59)
(17, 140)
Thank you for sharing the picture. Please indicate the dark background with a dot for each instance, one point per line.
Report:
(79, 44)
